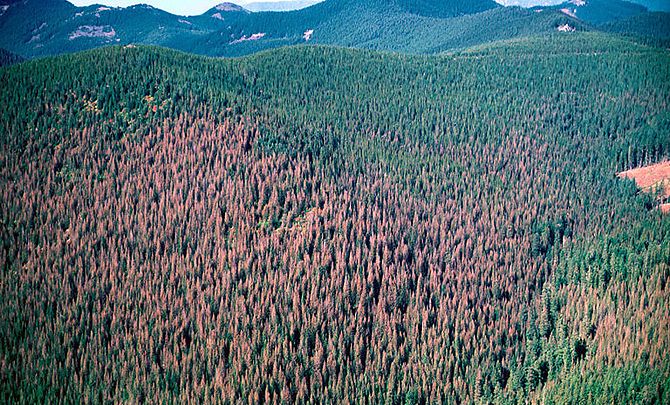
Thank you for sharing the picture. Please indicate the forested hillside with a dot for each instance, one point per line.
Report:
(621, 17)
(651, 28)
(8, 58)
(36, 28)
(287, 5)
(331, 225)
(600, 11)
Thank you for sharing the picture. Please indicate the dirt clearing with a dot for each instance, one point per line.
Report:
(651, 178)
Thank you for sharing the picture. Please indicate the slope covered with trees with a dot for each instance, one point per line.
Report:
(652, 28)
(329, 225)
(35, 28)
(7, 58)
(286, 5)
(600, 11)
(38, 28)
(621, 17)
(412, 33)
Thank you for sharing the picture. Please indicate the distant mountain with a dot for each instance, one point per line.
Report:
(621, 17)
(38, 28)
(399, 25)
(448, 8)
(652, 26)
(35, 28)
(655, 5)
(289, 5)
(599, 11)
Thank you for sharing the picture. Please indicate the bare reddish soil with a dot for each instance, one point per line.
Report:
(651, 178)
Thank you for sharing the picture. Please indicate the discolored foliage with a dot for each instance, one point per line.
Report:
(325, 225)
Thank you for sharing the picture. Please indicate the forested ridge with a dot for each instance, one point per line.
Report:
(38, 28)
(324, 225)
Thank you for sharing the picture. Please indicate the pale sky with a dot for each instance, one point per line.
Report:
(195, 7)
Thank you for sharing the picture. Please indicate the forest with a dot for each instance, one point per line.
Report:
(38, 28)
(7, 58)
(325, 225)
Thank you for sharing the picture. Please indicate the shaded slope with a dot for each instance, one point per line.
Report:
(600, 11)
(652, 28)
(373, 27)
(414, 34)
(287, 5)
(622, 17)
(655, 5)
(37, 28)
(438, 9)
(8, 58)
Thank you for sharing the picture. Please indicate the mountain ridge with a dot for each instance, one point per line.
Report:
(598, 11)
(35, 28)
(287, 5)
